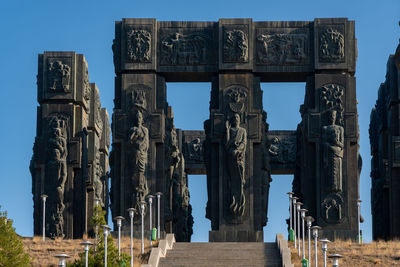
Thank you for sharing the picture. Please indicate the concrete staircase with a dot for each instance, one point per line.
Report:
(230, 254)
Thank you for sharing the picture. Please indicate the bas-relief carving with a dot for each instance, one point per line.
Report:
(138, 46)
(332, 147)
(281, 49)
(331, 45)
(283, 150)
(266, 170)
(236, 46)
(235, 146)
(237, 96)
(139, 145)
(185, 49)
(332, 208)
(58, 76)
(97, 180)
(86, 88)
(332, 99)
(56, 174)
(195, 149)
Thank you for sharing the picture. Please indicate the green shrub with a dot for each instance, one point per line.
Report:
(11, 246)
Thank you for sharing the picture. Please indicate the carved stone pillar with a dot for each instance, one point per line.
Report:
(59, 162)
(326, 178)
(235, 159)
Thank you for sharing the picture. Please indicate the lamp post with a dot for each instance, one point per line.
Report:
(298, 208)
(158, 194)
(86, 245)
(62, 259)
(132, 212)
(294, 199)
(335, 258)
(142, 205)
(303, 216)
(315, 230)
(309, 221)
(119, 224)
(324, 248)
(150, 199)
(290, 215)
(96, 231)
(106, 231)
(359, 219)
(44, 216)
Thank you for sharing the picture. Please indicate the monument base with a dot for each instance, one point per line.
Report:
(236, 236)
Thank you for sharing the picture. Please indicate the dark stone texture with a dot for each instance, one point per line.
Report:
(236, 149)
(70, 154)
(385, 143)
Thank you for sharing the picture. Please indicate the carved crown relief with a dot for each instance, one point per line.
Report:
(332, 99)
(58, 76)
(236, 46)
(236, 98)
(189, 49)
(331, 45)
(138, 46)
(332, 209)
(282, 49)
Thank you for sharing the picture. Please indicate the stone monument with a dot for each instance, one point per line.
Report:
(385, 150)
(70, 154)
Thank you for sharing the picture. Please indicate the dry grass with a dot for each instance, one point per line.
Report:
(42, 253)
(382, 254)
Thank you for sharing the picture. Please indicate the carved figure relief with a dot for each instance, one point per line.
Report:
(332, 145)
(331, 98)
(138, 46)
(281, 49)
(97, 181)
(331, 45)
(283, 150)
(86, 88)
(56, 174)
(237, 99)
(332, 208)
(181, 49)
(139, 142)
(195, 149)
(235, 146)
(58, 76)
(236, 46)
(139, 99)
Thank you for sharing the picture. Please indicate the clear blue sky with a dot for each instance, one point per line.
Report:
(30, 27)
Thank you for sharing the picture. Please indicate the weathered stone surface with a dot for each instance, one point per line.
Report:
(236, 149)
(67, 165)
(385, 139)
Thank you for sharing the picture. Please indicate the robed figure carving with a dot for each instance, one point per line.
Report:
(333, 143)
(235, 145)
(56, 176)
(139, 141)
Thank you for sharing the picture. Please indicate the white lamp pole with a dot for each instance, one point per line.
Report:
(315, 230)
(335, 258)
(132, 212)
(158, 194)
(150, 199)
(303, 216)
(119, 224)
(294, 221)
(106, 231)
(298, 208)
(62, 258)
(86, 245)
(359, 219)
(44, 216)
(309, 221)
(324, 248)
(290, 209)
(142, 205)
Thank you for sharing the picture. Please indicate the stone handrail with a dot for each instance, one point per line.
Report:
(160, 251)
(284, 250)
